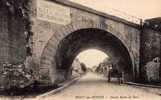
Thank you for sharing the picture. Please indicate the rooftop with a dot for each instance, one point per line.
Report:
(154, 23)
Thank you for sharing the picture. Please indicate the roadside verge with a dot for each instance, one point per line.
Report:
(149, 88)
(64, 85)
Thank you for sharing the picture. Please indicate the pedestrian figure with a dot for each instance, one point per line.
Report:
(121, 77)
(109, 73)
(106, 71)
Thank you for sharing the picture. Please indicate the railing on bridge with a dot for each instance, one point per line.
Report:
(115, 12)
(124, 15)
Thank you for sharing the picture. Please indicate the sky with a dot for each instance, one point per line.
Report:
(128, 9)
(91, 57)
(144, 9)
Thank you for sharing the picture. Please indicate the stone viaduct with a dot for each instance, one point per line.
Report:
(60, 30)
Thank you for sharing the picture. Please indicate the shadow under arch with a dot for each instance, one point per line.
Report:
(83, 39)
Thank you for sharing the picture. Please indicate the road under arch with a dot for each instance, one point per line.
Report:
(80, 40)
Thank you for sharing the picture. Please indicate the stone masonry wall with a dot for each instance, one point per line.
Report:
(12, 38)
(47, 24)
(44, 30)
(150, 53)
(3, 36)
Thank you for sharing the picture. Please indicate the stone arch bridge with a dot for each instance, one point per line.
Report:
(62, 29)
(80, 30)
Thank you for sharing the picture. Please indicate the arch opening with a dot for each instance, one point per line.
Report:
(88, 61)
(93, 38)
(91, 57)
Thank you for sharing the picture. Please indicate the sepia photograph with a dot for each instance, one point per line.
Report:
(80, 49)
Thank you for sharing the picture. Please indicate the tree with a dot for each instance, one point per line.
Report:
(83, 67)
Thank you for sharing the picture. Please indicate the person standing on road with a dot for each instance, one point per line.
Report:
(109, 73)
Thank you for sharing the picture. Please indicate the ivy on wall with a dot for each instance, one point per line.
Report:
(21, 9)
